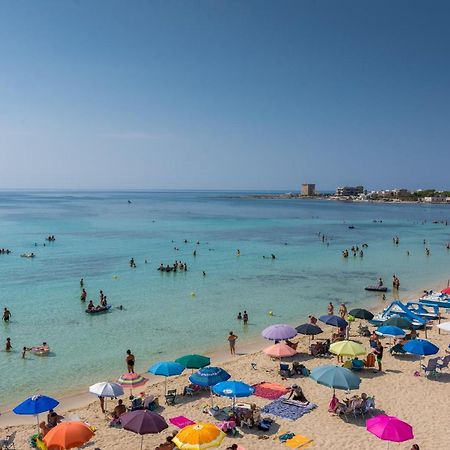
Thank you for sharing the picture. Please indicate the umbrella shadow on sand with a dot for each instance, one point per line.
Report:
(359, 420)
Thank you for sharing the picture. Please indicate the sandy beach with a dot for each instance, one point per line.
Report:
(417, 400)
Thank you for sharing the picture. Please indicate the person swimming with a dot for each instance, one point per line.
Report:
(239, 316)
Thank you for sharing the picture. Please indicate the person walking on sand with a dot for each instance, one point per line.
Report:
(232, 341)
(379, 354)
(130, 360)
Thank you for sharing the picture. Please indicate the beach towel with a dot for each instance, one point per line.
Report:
(291, 410)
(298, 442)
(271, 391)
(181, 421)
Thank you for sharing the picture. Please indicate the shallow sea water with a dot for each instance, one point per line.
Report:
(98, 232)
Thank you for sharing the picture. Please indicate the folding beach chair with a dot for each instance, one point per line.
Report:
(285, 371)
(8, 442)
(171, 396)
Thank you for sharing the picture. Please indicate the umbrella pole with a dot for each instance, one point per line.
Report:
(37, 418)
(142, 441)
(165, 383)
(211, 395)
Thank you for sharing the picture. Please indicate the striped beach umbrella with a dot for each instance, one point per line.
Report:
(199, 437)
(131, 380)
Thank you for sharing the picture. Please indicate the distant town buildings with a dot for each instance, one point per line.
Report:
(308, 190)
(349, 191)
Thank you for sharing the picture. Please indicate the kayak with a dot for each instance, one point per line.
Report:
(376, 288)
(99, 310)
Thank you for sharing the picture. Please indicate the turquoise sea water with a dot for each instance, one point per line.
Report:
(97, 234)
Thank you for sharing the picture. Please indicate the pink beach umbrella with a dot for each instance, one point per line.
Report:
(389, 428)
(280, 351)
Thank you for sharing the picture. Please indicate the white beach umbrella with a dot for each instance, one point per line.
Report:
(444, 326)
(106, 389)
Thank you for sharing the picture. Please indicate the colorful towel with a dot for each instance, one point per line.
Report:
(181, 421)
(298, 442)
(292, 410)
(271, 391)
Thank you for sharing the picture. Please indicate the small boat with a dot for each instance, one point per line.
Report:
(40, 350)
(376, 288)
(101, 310)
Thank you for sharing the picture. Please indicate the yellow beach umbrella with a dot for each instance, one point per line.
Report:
(347, 348)
(198, 437)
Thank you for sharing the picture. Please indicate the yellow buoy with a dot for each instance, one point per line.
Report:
(193, 294)
(270, 313)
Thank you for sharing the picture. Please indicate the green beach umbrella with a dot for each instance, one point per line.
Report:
(397, 321)
(193, 361)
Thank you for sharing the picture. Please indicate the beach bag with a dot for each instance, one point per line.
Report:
(370, 360)
(305, 371)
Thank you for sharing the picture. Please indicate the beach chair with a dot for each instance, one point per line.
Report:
(357, 364)
(444, 362)
(8, 442)
(285, 371)
(171, 396)
(363, 330)
(431, 369)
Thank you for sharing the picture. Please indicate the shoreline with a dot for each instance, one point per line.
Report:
(81, 399)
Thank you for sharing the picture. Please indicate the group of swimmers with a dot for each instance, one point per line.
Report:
(243, 317)
(396, 240)
(177, 265)
(355, 250)
(395, 282)
(91, 307)
(5, 251)
(50, 238)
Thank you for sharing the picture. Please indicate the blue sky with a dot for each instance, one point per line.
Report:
(224, 94)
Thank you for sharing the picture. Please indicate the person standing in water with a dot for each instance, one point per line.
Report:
(83, 295)
(6, 315)
(245, 317)
(8, 346)
(232, 341)
(342, 310)
(130, 360)
(330, 309)
(81, 282)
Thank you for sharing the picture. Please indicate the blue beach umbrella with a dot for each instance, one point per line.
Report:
(35, 405)
(334, 321)
(336, 377)
(421, 347)
(390, 330)
(233, 389)
(208, 377)
(166, 369)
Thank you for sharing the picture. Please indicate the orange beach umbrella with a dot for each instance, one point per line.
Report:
(199, 437)
(70, 434)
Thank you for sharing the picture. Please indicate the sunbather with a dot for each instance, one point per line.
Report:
(119, 410)
(297, 394)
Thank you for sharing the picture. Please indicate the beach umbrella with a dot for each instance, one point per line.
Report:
(106, 389)
(208, 377)
(308, 329)
(421, 347)
(193, 361)
(389, 428)
(233, 389)
(68, 434)
(334, 321)
(446, 291)
(279, 332)
(131, 380)
(444, 326)
(198, 437)
(347, 348)
(360, 313)
(280, 350)
(336, 377)
(397, 321)
(35, 405)
(143, 422)
(390, 330)
(166, 369)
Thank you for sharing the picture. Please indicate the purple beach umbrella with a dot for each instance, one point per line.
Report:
(143, 422)
(279, 332)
